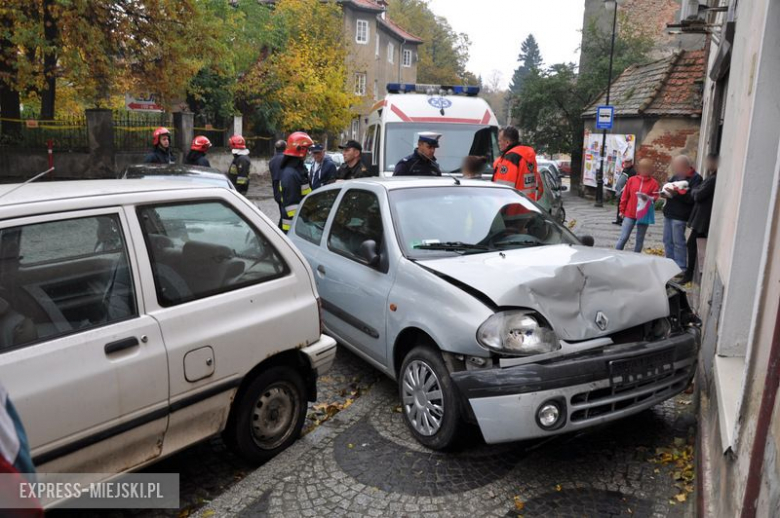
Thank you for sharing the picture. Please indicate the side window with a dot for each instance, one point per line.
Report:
(357, 219)
(62, 277)
(313, 215)
(204, 248)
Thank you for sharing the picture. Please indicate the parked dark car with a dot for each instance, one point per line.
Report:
(178, 172)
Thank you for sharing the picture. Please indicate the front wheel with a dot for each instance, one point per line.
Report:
(430, 405)
(269, 415)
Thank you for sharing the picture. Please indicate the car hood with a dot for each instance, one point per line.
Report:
(569, 285)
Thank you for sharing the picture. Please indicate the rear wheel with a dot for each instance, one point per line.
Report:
(269, 415)
(428, 398)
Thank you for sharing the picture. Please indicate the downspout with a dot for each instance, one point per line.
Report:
(401, 61)
(754, 478)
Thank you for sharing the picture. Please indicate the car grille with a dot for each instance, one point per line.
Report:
(619, 397)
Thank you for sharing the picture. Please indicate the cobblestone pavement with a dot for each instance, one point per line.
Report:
(364, 462)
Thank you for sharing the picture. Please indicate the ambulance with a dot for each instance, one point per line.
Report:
(466, 123)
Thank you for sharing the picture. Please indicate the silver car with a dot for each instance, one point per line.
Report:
(487, 311)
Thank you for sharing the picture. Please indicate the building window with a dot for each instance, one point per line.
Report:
(360, 83)
(361, 34)
(376, 89)
(355, 129)
(377, 46)
(407, 62)
(390, 52)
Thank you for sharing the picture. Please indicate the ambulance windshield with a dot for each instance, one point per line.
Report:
(457, 142)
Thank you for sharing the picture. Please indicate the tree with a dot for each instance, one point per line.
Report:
(300, 81)
(531, 59)
(444, 53)
(495, 95)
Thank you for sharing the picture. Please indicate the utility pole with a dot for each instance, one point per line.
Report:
(603, 151)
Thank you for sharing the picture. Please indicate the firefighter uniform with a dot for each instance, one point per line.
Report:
(294, 185)
(517, 167)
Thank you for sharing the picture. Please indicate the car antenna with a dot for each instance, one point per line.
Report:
(31, 180)
(454, 178)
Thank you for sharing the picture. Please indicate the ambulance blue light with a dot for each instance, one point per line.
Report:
(397, 88)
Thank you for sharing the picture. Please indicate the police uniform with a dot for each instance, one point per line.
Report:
(418, 164)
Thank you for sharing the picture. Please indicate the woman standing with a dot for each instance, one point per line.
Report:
(637, 205)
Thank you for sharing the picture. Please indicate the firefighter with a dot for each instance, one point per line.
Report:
(275, 167)
(197, 155)
(238, 172)
(517, 165)
(161, 154)
(294, 182)
(423, 161)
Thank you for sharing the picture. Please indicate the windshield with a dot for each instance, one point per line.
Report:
(460, 220)
(457, 142)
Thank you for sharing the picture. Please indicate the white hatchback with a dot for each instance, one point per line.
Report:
(137, 318)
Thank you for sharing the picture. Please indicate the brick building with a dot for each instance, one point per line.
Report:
(661, 104)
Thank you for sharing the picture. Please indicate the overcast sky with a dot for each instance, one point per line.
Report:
(498, 27)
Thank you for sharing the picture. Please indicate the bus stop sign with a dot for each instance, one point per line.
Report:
(605, 117)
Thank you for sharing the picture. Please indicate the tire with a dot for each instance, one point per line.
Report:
(269, 415)
(422, 371)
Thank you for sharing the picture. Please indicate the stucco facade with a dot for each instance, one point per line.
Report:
(739, 417)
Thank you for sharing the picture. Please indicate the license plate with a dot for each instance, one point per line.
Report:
(641, 368)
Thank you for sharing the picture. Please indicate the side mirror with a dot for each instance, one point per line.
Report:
(369, 252)
(563, 188)
(587, 240)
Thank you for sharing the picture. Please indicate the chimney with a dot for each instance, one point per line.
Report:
(383, 5)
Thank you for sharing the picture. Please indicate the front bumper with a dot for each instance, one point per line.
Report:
(588, 386)
(321, 354)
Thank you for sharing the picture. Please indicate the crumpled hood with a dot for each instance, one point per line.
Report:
(569, 285)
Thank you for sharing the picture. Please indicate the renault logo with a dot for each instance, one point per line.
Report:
(602, 321)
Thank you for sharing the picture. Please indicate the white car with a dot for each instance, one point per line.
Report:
(138, 318)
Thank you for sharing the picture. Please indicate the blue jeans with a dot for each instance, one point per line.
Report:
(625, 233)
(674, 242)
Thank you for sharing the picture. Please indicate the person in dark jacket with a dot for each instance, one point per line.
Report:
(275, 167)
(197, 155)
(161, 154)
(699, 222)
(423, 161)
(628, 172)
(241, 165)
(294, 181)
(678, 207)
(323, 170)
(353, 166)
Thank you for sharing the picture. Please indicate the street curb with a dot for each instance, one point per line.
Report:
(244, 493)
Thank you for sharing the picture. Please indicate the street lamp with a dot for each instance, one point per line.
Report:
(613, 4)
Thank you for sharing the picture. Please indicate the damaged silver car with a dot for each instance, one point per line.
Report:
(487, 311)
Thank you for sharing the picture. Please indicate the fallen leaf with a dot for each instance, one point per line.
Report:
(572, 223)
(682, 497)
(558, 487)
(350, 446)
(519, 504)
(208, 513)
(679, 442)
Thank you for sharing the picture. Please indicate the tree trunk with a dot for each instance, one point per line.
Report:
(51, 34)
(9, 96)
(578, 135)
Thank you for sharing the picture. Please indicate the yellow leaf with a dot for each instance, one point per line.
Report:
(209, 513)
(682, 497)
(519, 504)
(558, 487)
(350, 446)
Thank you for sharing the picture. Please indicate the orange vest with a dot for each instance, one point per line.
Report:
(517, 167)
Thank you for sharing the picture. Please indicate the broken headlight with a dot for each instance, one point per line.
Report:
(520, 332)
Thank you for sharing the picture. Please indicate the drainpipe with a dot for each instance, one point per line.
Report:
(754, 478)
(401, 62)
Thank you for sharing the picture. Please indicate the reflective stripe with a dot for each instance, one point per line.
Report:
(305, 189)
(286, 224)
(242, 180)
(505, 182)
(291, 208)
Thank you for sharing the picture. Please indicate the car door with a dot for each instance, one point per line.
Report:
(354, 294)
(229, 292)
(85, 367)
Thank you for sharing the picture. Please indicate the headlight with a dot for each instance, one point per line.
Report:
(520, 332)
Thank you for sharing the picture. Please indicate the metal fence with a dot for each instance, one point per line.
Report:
(65, 133)
(134, 130)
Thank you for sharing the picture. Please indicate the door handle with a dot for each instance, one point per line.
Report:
(321, 269)
(119, 345)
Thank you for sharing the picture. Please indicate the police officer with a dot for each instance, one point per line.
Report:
(238, 172)
(197, 155)
(353, 166)
(517, 165)
(294, 181)
(161, 154)
(275, 167)
(323, 170)
(423, 161)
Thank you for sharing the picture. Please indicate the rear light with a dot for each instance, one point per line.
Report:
(319, 311)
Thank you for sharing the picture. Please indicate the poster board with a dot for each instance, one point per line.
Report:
(619, 148)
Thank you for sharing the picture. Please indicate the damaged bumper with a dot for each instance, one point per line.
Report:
(588, 389)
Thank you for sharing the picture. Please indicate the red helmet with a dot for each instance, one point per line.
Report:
(298, 144)
(160, 132)
(200, 143)
(237, 142)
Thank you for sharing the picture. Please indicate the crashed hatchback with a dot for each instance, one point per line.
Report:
(488, 311)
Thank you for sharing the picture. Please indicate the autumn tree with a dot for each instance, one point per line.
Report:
(444, 53)
(300, 81)
(531, 62)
